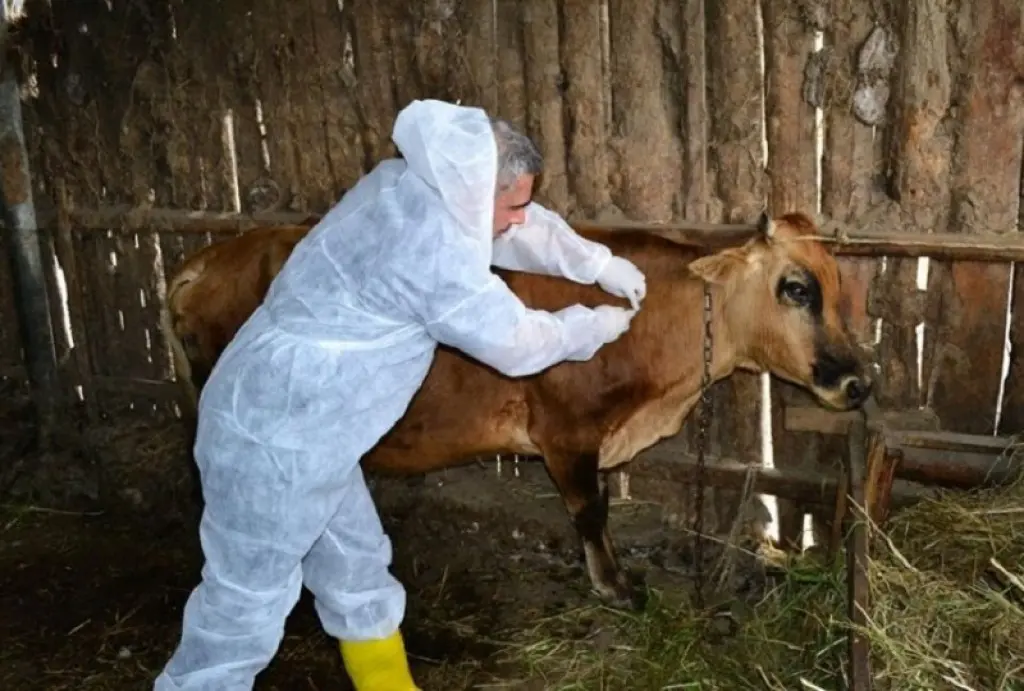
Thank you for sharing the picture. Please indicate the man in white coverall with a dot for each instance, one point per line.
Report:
(329, 363)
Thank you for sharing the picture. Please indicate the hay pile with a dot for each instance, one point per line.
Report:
(948, 613)
(948, 589)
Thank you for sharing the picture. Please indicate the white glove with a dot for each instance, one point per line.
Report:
(614, 320)
(621, 277)
(592, 329)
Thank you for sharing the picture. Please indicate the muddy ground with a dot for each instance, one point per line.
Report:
(92, 598)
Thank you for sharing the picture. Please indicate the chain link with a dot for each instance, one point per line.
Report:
(704, 420)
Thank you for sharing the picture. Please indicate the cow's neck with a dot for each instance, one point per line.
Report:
(664, 415)
(725, 358)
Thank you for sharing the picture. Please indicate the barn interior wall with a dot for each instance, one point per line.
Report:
(868, 113)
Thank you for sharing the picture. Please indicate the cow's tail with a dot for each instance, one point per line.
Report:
(171, 325)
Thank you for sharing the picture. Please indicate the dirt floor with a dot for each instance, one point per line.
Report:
(92, 599)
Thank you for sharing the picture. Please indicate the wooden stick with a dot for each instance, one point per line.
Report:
(857, 562)
(881, 472)
(839, 515)
(985, 247)
(811, 487)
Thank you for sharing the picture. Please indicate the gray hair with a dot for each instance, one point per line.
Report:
(517, 154)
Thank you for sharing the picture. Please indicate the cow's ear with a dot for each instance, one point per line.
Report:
(766, 226)
(721, 267)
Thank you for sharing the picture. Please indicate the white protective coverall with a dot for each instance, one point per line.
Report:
(329, 363)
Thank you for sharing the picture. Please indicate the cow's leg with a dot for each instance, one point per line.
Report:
(585, 492)
(192, 385)
(191, 422)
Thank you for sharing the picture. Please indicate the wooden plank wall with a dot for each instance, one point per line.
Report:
(910, 115)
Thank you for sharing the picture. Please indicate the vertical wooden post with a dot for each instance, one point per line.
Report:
(967, 300)
(881, 473)
(919, 150)
(838, 514)
(544, 103)
(586, 138)
(64, 248)
(19, 214)
(851, 168)
(857, 559)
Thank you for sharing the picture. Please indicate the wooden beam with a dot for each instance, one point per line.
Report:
(954, 442)
(928, 456)
(807, 418)
(869, 242)
(125, 218)
(954, 469)
(152, 389)
(810, 487)
(984, 247)
(814, 419)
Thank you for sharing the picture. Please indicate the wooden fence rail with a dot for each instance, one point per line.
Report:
(847, 240)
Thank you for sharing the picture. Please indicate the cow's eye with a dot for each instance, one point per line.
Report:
(797, 292)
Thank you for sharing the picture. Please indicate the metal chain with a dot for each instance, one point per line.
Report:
(704, 420)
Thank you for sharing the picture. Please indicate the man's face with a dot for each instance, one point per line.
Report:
(510, 205)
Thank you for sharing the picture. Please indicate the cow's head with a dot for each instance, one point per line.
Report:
(781, 301)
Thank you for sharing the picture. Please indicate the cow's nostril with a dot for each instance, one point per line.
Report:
(856, 391)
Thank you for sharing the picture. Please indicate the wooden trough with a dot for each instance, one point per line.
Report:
(880, 448)
(891, 460)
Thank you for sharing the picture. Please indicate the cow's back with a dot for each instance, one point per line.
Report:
(466, 409)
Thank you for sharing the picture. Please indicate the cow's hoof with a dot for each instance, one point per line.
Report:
(638, 598)
(625, 595)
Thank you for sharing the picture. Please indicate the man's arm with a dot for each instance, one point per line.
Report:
(479, 315)
(546, 244)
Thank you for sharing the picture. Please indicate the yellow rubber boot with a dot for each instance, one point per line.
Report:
(378, 665)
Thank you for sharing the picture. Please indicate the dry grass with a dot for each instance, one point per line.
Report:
(948, 588)
(947, 580)
(792, 632)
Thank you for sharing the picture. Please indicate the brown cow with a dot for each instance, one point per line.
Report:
(214, 292)
(775, 299)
